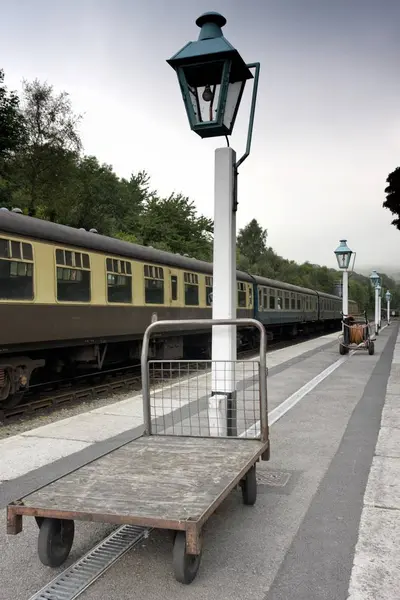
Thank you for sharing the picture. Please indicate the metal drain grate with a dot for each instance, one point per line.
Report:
(274, 478)
(79, 576)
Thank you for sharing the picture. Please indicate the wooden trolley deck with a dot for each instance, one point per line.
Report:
(157, 481)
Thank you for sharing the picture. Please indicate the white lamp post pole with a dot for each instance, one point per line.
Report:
(375, 279)
(377, 291)
(380, 308)
(345, 293)
(223, 353)
(388, 297)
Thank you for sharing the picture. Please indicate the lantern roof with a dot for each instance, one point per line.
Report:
(343, 248)
(211, 46)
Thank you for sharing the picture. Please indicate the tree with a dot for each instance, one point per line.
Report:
(251, 241)
(12, 124)
(392, 191)
(173, 224)
(52, 143)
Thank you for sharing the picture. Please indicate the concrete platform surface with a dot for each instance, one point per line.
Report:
(298, 541)
(376, 570)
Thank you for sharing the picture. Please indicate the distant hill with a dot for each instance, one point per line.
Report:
(392, 272)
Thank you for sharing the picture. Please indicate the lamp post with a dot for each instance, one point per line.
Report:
(380, 306)
(343, 257)
(388, 297)
(375, 280)
(212, 76)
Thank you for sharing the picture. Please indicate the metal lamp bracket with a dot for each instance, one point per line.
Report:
(255, 66)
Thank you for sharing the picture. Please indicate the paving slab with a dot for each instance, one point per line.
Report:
(376, 570)
(389, 440)
(86, 428)
(40, 452)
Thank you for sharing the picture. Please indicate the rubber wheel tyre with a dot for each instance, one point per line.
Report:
(55, 541)
(185, 565)
(249, 487)
(342, 349)
(371, 348)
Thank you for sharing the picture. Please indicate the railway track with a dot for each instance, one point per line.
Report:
(79, 389)
(49, 397)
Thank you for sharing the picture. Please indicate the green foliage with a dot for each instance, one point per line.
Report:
(12, 125)
(392, 192)
(43, 172)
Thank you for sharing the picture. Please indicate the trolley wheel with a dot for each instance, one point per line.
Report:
(185, 565)
(371, 348)
(55, 541)
(249, 487)
(342, 349)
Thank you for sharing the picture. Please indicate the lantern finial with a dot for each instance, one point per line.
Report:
(210, 24)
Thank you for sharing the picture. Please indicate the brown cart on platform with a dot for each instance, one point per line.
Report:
(356, 334)
(203, 435)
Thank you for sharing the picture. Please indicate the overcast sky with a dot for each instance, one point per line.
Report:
(327, 127)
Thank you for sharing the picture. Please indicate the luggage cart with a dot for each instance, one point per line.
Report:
(356, 334)
(195, 449)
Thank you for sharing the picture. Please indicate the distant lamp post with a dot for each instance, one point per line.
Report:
(379, 305)
(343, 257)
(388, 297)
(212, 76)
(375, 280)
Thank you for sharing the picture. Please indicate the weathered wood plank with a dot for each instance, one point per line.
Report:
(161, 477)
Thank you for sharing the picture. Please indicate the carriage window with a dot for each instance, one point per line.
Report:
(16, 270)
(260, 299)
(73, 282)
(272, 304)
(209, 289)
(293, 301)
(241, 299)
(191, 281)
(174, 287)
(250, 296)
(153, 284)
(119, 281)
(287, 300)
(298, 303)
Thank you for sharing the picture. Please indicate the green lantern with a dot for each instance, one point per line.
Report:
(343, 255)
(374, 278)
(212, 76)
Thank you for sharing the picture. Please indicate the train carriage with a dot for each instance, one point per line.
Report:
(70, 297)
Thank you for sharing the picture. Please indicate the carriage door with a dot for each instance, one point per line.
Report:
(174, 287)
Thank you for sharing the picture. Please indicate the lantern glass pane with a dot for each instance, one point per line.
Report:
(343, 260)
(205, 101)
(204, 87)
(232, 101)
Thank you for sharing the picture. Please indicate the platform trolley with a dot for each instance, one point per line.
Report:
(356, 334)
(205, 428)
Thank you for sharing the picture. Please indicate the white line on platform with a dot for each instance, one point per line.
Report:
(278, 412)
(290, 402)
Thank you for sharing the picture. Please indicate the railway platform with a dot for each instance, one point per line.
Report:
(325, 524)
